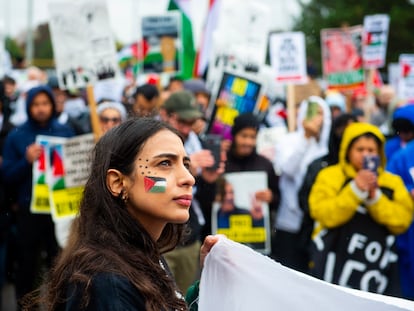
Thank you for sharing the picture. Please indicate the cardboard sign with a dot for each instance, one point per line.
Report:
(82, 43)
(162, 43)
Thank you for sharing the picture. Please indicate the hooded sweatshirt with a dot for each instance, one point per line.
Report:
(293, 154)
(16, 170)
(354, 238)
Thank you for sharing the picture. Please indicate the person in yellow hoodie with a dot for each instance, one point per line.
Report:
(358, 211)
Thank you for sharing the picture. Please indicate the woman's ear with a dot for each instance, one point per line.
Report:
(115, 182)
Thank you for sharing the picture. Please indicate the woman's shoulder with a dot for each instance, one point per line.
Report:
(108, 291)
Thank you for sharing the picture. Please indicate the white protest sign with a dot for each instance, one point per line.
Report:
(375, 37)
(288, 57)
(406, 80)
(82, 40)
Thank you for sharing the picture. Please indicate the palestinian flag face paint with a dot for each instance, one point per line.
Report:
(155, 184)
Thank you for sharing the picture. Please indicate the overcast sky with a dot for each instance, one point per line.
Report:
(124, 14)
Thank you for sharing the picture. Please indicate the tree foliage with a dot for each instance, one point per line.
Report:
(322, 14)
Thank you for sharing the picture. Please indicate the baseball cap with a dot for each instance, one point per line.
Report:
(183, 103)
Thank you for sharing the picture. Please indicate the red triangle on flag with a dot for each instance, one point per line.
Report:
(42, 166)
(57, 164)
(148, 183)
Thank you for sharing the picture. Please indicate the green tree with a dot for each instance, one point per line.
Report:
(322, 14)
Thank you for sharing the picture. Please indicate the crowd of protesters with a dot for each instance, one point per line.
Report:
(318, 188)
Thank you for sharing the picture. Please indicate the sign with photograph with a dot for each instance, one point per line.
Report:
(375, 40)
(162, 43)
(288, 57)
(61, 173)
(342, 57)
(82, 40)
(236, 94)
(238, 214)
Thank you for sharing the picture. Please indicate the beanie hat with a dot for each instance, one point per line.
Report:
(243, 121)
(183, 103)
(112, 105)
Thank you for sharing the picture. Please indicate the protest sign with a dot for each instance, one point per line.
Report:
(239, 42)
(82, 40)
(288, 57)
(162, 43)
(40, 189)
(393, 75)
(406, 77)
(375, 37)
(64, 169)
(238, 215)
(342, 57)
(237, 93)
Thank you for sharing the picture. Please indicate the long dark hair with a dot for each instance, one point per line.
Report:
(105, 238)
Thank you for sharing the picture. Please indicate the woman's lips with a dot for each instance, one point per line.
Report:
(184, 200)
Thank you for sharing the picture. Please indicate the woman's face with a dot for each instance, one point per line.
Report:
(160, 189)
(109, 118)
(362, 147)
(245, 141)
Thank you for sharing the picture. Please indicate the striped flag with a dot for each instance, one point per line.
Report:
(155, 184)
(203, 55)
(184, 6)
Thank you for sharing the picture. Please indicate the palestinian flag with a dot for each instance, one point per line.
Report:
(184, 6)
(155, 184)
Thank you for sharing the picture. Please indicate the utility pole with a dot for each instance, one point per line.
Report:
(29, 36)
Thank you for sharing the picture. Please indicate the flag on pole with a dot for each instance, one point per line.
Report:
(184, 6)
(203, 54)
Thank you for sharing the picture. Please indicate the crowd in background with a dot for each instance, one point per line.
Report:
(317, 187)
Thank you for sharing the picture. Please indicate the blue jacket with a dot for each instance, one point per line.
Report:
(16, 170)
(402, 163)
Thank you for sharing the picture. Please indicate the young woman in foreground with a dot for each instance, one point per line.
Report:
(135, 204)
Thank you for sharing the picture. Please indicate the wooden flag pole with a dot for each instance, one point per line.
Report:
(96, 128)
(291, 108)
(370, 100)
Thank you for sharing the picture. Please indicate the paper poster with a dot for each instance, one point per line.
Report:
(238, 215)
(162, 43)
(237, 93)
(406, 77)
(375, 40)
(288, 57)
(66, 169)
(83, 45)
(342, 57)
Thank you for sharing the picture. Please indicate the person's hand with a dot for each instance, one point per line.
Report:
(208, 244)
(366, 180)
(201, 159)
(33, 152)
(264, 195)
(313, 126)
(211, 176)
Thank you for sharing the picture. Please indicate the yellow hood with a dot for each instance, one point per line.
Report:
(351, 132)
